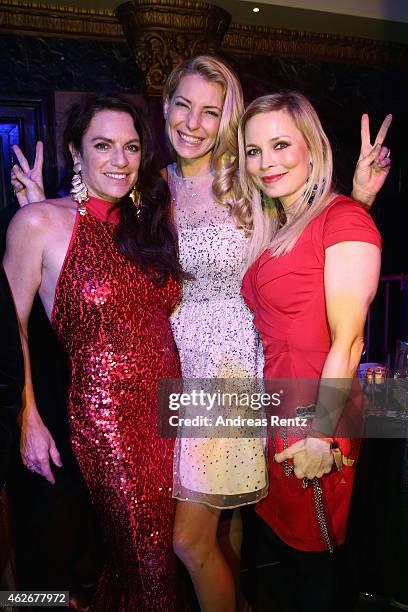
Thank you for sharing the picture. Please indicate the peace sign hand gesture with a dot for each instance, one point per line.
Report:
(28, 182)
(373, 164)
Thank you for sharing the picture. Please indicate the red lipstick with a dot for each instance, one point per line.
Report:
(272, 178)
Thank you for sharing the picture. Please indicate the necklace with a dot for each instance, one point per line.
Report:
(193, 200)
(191, 186)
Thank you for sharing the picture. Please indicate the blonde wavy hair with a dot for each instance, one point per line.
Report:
(224, 161)
(270, 227)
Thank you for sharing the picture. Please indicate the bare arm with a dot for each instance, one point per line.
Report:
(351, 276)
(23, 265)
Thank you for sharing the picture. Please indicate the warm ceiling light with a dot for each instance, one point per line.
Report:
(255, 10)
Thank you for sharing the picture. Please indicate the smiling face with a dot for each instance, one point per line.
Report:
(277, 157)
(193, 117)
(110, 155)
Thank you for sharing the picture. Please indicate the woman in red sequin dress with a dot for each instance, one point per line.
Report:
(108, 276)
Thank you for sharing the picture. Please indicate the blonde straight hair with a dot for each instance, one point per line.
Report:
(270, 228)
(224, 159)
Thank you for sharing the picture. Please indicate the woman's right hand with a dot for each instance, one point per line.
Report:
(37, 445)
(28, 182)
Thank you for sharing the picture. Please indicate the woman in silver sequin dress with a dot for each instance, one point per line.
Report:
(212, 327)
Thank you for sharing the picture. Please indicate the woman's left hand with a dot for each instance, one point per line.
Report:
(373, 164)
(311, 458)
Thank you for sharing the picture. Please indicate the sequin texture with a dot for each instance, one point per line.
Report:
(114, 324)
(216, 338)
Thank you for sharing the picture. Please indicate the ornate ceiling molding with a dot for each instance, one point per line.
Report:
(32, 17)
(179, 29)
(263, 40)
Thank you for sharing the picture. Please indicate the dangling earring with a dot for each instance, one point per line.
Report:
(136, 198)
(79, 191)
(312, 195)
(314, 189)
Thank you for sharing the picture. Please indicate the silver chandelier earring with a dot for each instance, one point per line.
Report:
(79, 191)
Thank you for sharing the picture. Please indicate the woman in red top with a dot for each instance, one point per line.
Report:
(315, 259)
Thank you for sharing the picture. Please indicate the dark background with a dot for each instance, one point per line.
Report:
(35, 71)
(39, 76)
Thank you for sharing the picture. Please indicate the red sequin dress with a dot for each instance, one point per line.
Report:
(114, 325)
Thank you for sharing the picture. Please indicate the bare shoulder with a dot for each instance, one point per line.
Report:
(41, 217)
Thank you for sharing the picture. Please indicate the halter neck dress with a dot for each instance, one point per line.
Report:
(113, 322)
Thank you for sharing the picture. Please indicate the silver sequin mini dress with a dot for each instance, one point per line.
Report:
(216, 338)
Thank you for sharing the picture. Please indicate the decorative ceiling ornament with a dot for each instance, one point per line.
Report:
(40, 18)
(162, 33)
